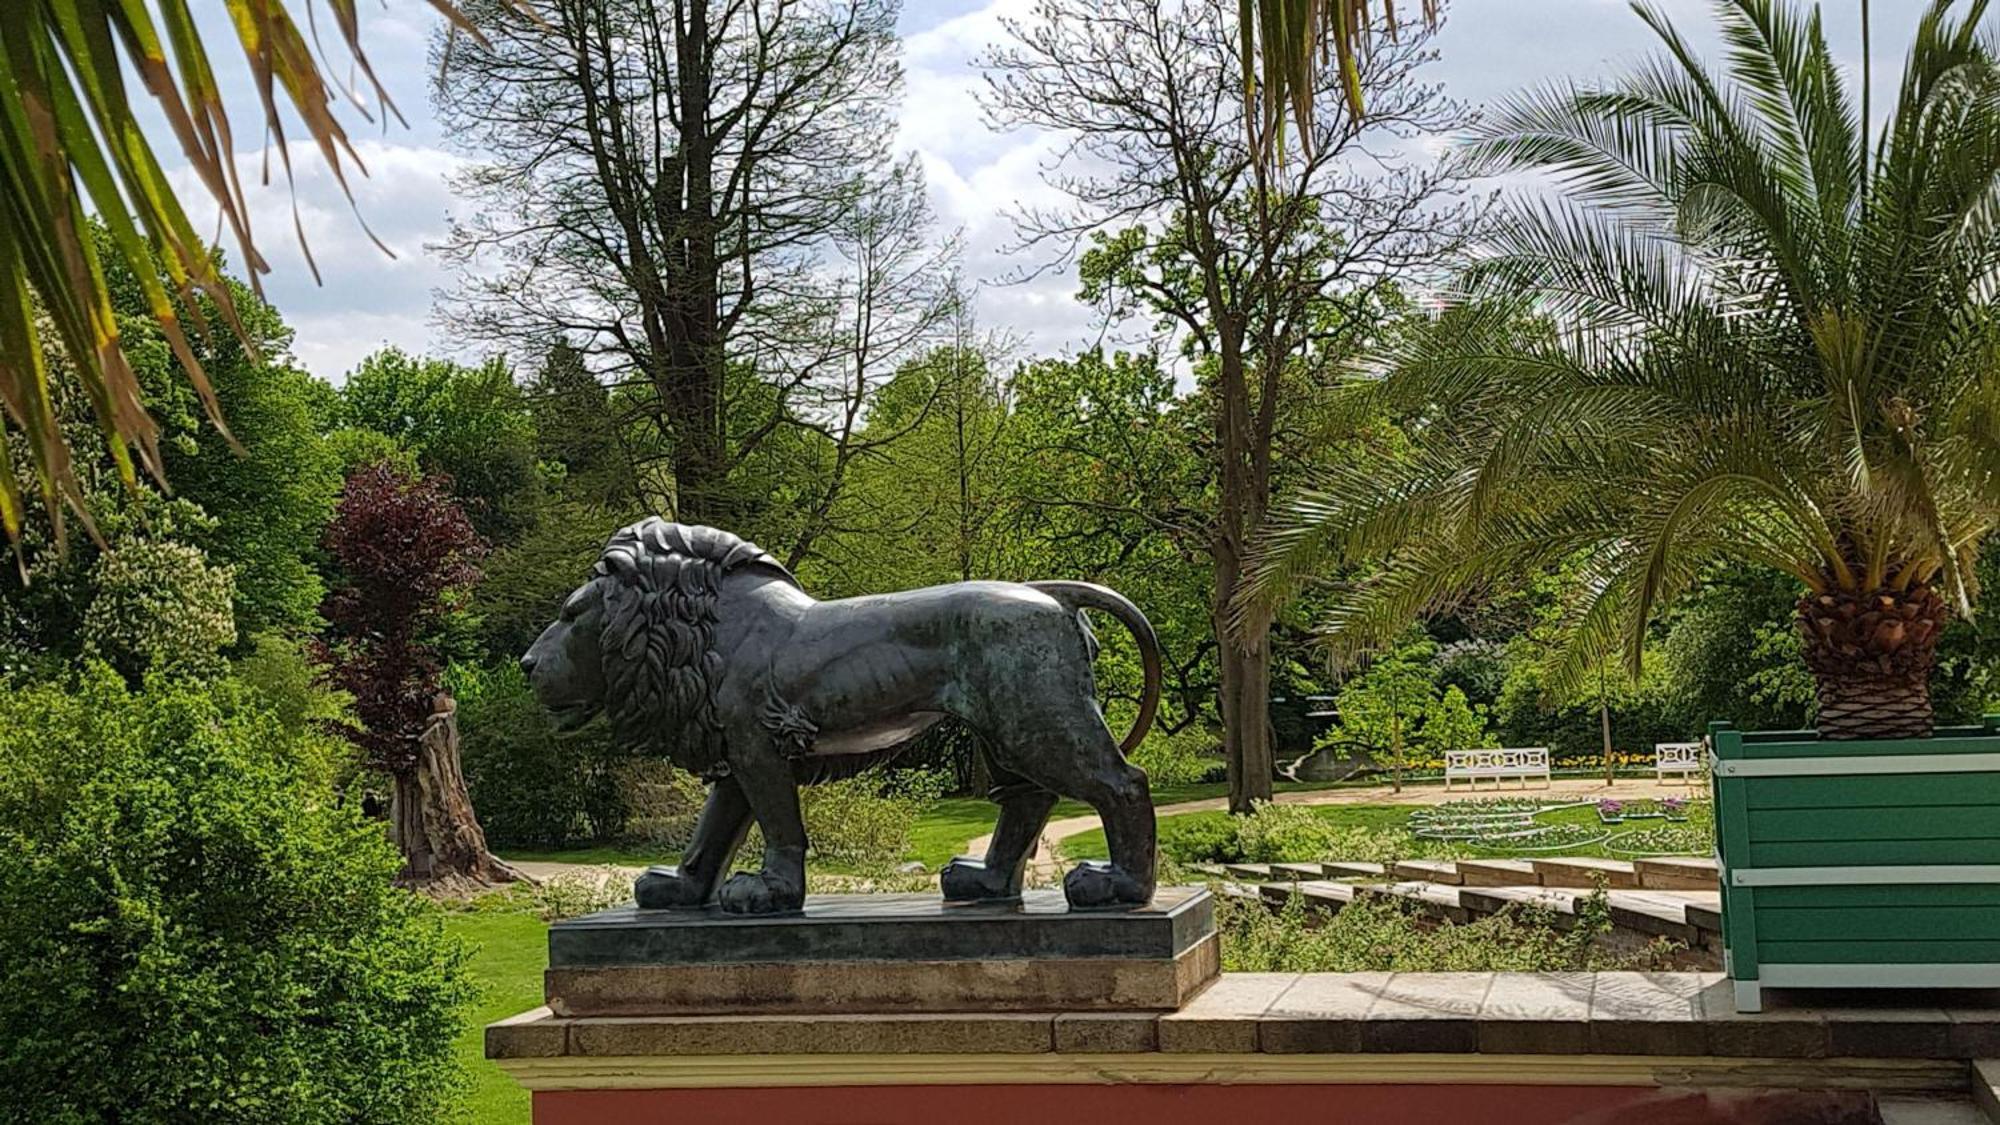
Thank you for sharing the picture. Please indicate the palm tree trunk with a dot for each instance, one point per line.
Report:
(1871, 656)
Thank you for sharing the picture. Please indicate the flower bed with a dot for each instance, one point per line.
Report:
(1610, 810)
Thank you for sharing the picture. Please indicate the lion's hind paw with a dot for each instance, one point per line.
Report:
(756, 892)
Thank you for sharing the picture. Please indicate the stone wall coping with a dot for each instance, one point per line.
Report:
(1663, 1015)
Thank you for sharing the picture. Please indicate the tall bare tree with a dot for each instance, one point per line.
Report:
(662, 181)
(1257, 270)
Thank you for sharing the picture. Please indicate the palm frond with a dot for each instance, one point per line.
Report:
(71, 146)
(1289, 47)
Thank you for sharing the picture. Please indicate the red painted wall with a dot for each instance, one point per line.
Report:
(1203, 1105)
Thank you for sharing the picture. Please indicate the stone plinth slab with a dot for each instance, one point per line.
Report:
(886, 953)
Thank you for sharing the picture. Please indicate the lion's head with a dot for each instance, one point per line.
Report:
(636, 642)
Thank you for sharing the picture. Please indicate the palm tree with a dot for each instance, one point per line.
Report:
(1738, 336)
(70, 140)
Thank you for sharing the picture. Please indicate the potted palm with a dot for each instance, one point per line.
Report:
(1743, 334)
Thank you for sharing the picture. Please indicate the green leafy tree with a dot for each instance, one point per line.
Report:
(1764, 342)
(472, 424)
(159, 606)
(1382, 707)
(1454, 723)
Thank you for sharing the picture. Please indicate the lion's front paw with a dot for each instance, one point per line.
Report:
(665, 888)
(758, 892)
(1091, 886)
(969, 880)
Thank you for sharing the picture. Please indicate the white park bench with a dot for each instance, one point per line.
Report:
(1471, 765)
(1683, 758)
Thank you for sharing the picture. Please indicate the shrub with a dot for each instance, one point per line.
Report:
(277, 671)
(861, 821)
(1180, 758)
(1387, 935)
(1201, 839)
(1275, 833)
(662, 802)
(532, 787)
(192, 933)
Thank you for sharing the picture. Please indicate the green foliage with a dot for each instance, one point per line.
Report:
(1200, 839)
(1732, 652)
(1452, 723)
(287, 685)
(533, 788)
(1287, 833)
(191, 930)
(1744, 335)
(1173, 760)
(1387, 935)
(159, 606)
(863, 822)
(469, 423)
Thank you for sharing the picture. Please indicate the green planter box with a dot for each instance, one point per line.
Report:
(1858, 864)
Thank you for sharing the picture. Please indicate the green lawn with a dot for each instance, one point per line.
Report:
(1091, 845)
(511, 950)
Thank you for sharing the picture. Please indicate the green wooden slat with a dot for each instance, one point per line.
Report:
(1936, 822)
(1888, 923)
(1969, 744)
(1876, 952)
(1854, 853)
(1732, 846)
(1917, 790)
(1913, 895)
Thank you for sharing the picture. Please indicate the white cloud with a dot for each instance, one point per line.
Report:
(977, 176)
(367, 297)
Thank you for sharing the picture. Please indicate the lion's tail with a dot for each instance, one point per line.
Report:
(1089, 595)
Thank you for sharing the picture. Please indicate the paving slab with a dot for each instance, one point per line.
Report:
(1326, 895)
(1678, 873)
(1585, 872)
(1498, 873)
(1440, 899)
(1426, 1013)
(1537, 1014)
(1784, 1029)
(1648, 1014)
(1225, 1017)
(1321, 1013)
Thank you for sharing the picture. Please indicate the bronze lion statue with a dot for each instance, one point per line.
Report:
(699, 647)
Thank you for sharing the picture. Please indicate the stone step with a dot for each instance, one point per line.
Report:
(1490, 900)
(1327, 896)
(1498, 873)
(1258, 871)
(1428, 871)
(1441, 899)
(1585, 872)
(1651, 912)
(1678, 873)
(1297, 871)
(1352, 870)
(1704, 909)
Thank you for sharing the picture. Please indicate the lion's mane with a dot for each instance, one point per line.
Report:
(658, 644)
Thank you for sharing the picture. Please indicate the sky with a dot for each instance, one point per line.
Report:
(365, 299)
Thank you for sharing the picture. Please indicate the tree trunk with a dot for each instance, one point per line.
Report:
(431, 813)
(1245, 666)
(1604, 717)
(1871, 656)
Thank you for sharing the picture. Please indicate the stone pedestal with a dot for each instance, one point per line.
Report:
(886, 953)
